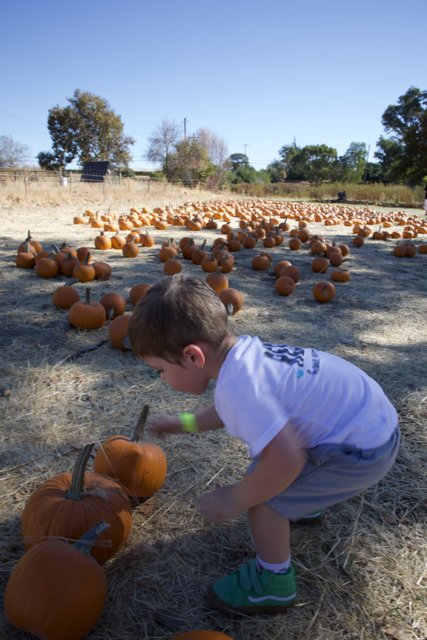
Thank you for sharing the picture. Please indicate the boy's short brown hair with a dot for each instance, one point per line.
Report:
(177, 311)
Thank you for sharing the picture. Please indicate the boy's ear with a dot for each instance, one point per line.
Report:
(195, 355)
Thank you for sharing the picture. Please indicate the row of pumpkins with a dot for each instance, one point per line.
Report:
(58, 589)
(201, 214)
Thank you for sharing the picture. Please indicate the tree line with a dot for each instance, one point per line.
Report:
(88, 129)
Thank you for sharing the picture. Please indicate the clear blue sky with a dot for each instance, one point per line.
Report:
(259, 74)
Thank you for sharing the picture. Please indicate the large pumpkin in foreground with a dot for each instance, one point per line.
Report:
(57, 590)
(67, 504)
(139, 467)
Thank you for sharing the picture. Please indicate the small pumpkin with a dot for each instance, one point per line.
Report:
(34, 245)
(167, 251)
(232, 299)
(260, 262)
(339, 275)
(199, 253)
(284, 285)
(102, 242)
(47, 267)
(319, 264)
(87, 315)
(147, 240)
(113, 303)
(82, 252)
(118, 241)
(324, 291)
(66, 263)
(73, 501)
(84, 271)
(295, 244)
(130, 249)
(138, 291)
(65, 296)
(279, 266)
(25, 259)
(172, 266)
(102, 270)
(118, 331)
(291, 271)
(57, 590)
(140, 467)
(217, 280)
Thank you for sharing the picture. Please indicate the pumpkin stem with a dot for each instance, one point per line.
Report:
(87, 540)
(76, 490)
(87, 293)
(140, 425)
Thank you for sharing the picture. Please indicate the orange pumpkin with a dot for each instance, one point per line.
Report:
(232, 299)
(118, 331)
(172, 266)
(217, 280)
(138, 291)
(57, 591)
(139, 467)
(102, 242)
(87, 315)
(73, 501)
(102, 270)
(324, 291)
(284, 285)
(64, 297)
(47, 267)
(130, 249)
(340, 276)
(84, 271)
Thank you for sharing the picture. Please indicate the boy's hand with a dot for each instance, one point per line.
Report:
(220, 504)
(163, 425)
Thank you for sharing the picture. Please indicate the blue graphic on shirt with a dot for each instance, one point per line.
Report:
(292, 356)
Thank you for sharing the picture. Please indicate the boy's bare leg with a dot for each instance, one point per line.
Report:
(270, 533)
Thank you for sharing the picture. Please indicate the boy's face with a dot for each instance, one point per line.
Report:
(187, 376)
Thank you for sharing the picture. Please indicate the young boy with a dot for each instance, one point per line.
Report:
(318, 429)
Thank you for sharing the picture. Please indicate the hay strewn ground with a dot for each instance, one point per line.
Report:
(362, 574)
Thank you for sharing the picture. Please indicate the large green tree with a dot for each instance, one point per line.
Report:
(352, 164)
(403, 154)
(239, 169)
(314, 163)
(86, 130)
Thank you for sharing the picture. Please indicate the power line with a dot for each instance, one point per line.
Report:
(10, 115)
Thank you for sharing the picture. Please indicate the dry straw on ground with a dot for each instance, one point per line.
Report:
(362, 574)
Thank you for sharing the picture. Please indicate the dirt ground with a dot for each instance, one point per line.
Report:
(362, 574)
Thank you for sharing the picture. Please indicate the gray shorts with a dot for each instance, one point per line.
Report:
(334, 473)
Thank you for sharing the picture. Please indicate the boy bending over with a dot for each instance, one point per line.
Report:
(319, 430)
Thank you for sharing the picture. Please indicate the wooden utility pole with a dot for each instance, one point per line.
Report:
(185, 128)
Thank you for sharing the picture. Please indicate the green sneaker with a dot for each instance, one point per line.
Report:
(311, 518)
(252, 590)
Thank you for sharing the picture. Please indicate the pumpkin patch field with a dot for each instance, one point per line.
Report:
(100, 533)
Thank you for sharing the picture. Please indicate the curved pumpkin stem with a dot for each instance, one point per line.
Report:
(140, 425)
(87, 540)
(76, 490)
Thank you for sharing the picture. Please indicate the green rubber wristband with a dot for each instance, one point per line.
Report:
(188, 422)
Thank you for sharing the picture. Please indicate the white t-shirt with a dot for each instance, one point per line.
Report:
(262, 386)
